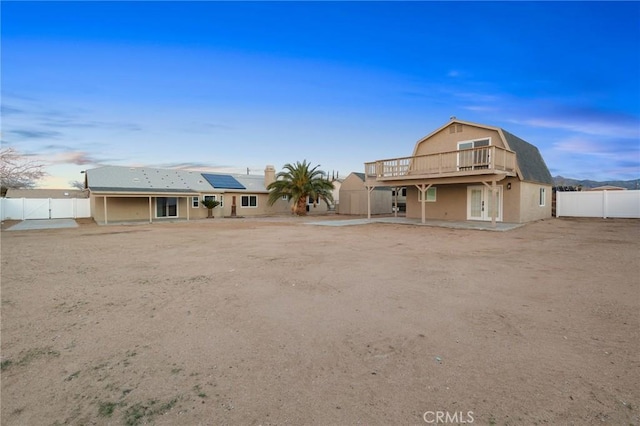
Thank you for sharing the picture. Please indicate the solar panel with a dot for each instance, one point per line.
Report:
(223, 181)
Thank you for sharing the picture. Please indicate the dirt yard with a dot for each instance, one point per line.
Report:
(275, 321)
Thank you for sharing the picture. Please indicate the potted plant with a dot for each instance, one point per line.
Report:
(210, 205)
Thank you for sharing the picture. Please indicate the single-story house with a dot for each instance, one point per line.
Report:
(468, 171)
(120, 194)
(355, 198)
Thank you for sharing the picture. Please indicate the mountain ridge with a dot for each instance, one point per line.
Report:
(587, 183)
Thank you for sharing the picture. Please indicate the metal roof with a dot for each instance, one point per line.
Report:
(150, 180)
(142, 190)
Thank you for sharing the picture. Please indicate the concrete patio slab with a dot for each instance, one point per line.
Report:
(483, 226)
(31, 224)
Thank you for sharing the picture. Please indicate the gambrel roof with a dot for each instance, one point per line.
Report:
(530, 161)
(531, 165)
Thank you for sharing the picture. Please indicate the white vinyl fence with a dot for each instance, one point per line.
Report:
(44, 208)
(598, 204)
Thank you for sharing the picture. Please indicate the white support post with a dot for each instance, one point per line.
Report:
(494, 202)
(150, 210)
(104, 202)
(188, 207)
(369, 189)
(395, 202)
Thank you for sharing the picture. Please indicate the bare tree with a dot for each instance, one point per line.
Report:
(18, 171)
(77, 184)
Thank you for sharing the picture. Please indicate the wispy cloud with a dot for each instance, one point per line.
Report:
(52, 119)
(89, 124)
(75, 157)
(203, 167)
(35, 134)
(584, 120)
(9, 110)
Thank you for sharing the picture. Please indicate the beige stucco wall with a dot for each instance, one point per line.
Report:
(444, 141)
(450, 204)
(530, 202)
(511, 200)
(519, 204)
(261, 209)
(121, 209)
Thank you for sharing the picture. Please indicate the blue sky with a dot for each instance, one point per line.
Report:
(228, 86)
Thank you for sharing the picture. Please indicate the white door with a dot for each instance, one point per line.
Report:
(479, 203)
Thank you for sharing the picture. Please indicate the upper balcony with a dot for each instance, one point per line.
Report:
(468, 162)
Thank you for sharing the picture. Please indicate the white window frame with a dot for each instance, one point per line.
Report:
(542, 201)
(177, 208)
(431, 198)
(473, 145)
(195, 202)
(248, 206)
(214, 197)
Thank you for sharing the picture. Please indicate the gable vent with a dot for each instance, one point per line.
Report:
(455, 128)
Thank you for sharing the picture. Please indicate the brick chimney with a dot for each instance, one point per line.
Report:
(269, 175)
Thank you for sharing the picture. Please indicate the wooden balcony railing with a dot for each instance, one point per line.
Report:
(482, 160)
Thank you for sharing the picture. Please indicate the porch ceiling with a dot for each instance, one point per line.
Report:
(414, 180)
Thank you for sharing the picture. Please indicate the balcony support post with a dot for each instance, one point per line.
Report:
(395, 201)
(423, 188)
(369, 189)
(494, 201)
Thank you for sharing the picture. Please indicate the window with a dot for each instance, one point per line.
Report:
(431, 195)
(214, 198)
(166, 207)
(285, 197)
(249, 201)
(195, 202)
(474, 155)
(402, 193)
(543, 198)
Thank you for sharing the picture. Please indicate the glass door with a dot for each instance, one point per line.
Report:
(480, 205)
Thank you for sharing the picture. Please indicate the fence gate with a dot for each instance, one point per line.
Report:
(36, 208)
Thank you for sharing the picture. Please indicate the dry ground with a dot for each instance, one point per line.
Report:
(280, 322)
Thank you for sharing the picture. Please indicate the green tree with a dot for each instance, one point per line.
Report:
(298, 182)
(210, 205)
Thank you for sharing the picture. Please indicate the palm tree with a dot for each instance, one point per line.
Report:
(298, 182)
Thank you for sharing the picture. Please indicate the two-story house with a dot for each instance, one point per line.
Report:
(469, 171)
